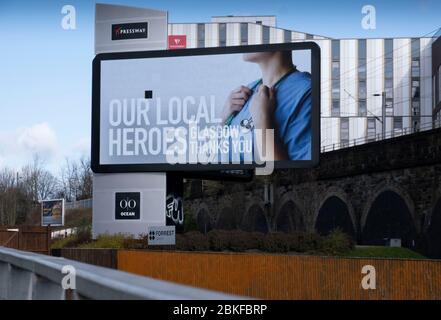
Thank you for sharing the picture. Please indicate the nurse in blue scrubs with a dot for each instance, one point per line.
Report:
(280, 100)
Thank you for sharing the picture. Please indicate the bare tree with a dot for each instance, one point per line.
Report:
(38, 183)
(8, 197)
(76, 180)
(69, 180)
(86, 178)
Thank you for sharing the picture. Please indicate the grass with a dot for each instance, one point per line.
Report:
(116, 241)
(383, 252)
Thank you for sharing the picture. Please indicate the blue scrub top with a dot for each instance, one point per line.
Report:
(292, 114)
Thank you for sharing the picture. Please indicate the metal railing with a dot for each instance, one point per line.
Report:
(379, 137)
(25, 275)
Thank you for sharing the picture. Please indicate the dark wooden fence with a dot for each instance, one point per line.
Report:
(28, 238)
(98, 257)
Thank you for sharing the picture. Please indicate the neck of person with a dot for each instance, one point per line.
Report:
(273, 71)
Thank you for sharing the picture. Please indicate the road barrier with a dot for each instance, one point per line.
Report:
(26, 275)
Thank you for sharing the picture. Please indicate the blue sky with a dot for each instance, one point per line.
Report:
(45, 71)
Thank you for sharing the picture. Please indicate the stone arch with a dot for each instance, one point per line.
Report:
(388, 186)
(389, 216)
(255, 218)
(332, 214)
(226, 219)
(203, 219)
(336, 202)
(289, 216)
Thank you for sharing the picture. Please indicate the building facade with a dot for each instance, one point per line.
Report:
(370, 88)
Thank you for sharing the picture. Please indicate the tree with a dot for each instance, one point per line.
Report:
(37, 182)
(76, 180)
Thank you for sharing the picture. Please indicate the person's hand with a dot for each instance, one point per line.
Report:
(263, 107)
(235, 101)
(262, 111)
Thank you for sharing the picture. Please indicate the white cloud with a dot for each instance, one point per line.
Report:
(18, 147)
(82, 147)
(39, 138)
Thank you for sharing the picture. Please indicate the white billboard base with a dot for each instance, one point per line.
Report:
(128, 203)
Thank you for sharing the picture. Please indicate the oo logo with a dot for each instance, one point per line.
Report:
(127, 203)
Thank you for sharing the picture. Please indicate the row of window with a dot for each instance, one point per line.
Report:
(243, 34)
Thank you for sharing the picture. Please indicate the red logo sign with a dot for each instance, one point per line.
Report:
(177, 42)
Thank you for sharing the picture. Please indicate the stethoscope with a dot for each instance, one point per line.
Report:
(248, 124)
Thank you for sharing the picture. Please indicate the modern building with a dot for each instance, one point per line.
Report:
(436, 76)
(370, 88)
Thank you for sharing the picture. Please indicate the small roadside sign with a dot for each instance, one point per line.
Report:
(161, 235)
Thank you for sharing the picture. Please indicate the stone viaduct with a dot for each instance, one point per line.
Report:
(374, 192)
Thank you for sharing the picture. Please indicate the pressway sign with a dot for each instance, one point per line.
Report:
(161, 235)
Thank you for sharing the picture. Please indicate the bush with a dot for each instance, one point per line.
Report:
(82, 236)
(192, 241)
(115, 241)
(337, 243)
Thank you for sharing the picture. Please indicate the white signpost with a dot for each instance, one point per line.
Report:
(161, 235)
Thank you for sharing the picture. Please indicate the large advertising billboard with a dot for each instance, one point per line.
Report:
(231, 108)
(52, 212)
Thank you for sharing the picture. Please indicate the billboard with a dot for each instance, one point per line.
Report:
(52, 212)
(231, 108)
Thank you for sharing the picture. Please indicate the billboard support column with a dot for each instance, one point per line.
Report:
(128, 202)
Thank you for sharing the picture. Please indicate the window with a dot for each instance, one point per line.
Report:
(335, 75)
(415, 108)
(344, 130)
(389, 88)
(389, 48)
(287, 36)
(389, 75)
(398, 123)
(335, 108)
(201, 35)
(415, 73)
(362, 108)
(244, 33)
(222, 34)
(335, 50)
(362, 69)
(265, 34)
(439, 84)
(258, 22)
(371, 129)
(415, 47)
(389, 69)
(362, 90)
(335, 89)
(308, 36)
(336, 70)
(362, 49)
(362, 87)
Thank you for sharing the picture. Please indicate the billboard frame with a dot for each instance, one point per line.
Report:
(164, 167)
(62, 213)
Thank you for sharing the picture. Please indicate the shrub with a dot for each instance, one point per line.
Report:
(337, 243)
(193, 241)
(107, 241)
(276, 242)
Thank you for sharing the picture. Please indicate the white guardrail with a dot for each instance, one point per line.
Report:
(26, 275)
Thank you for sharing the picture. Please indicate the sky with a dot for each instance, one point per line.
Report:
(45, 71)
